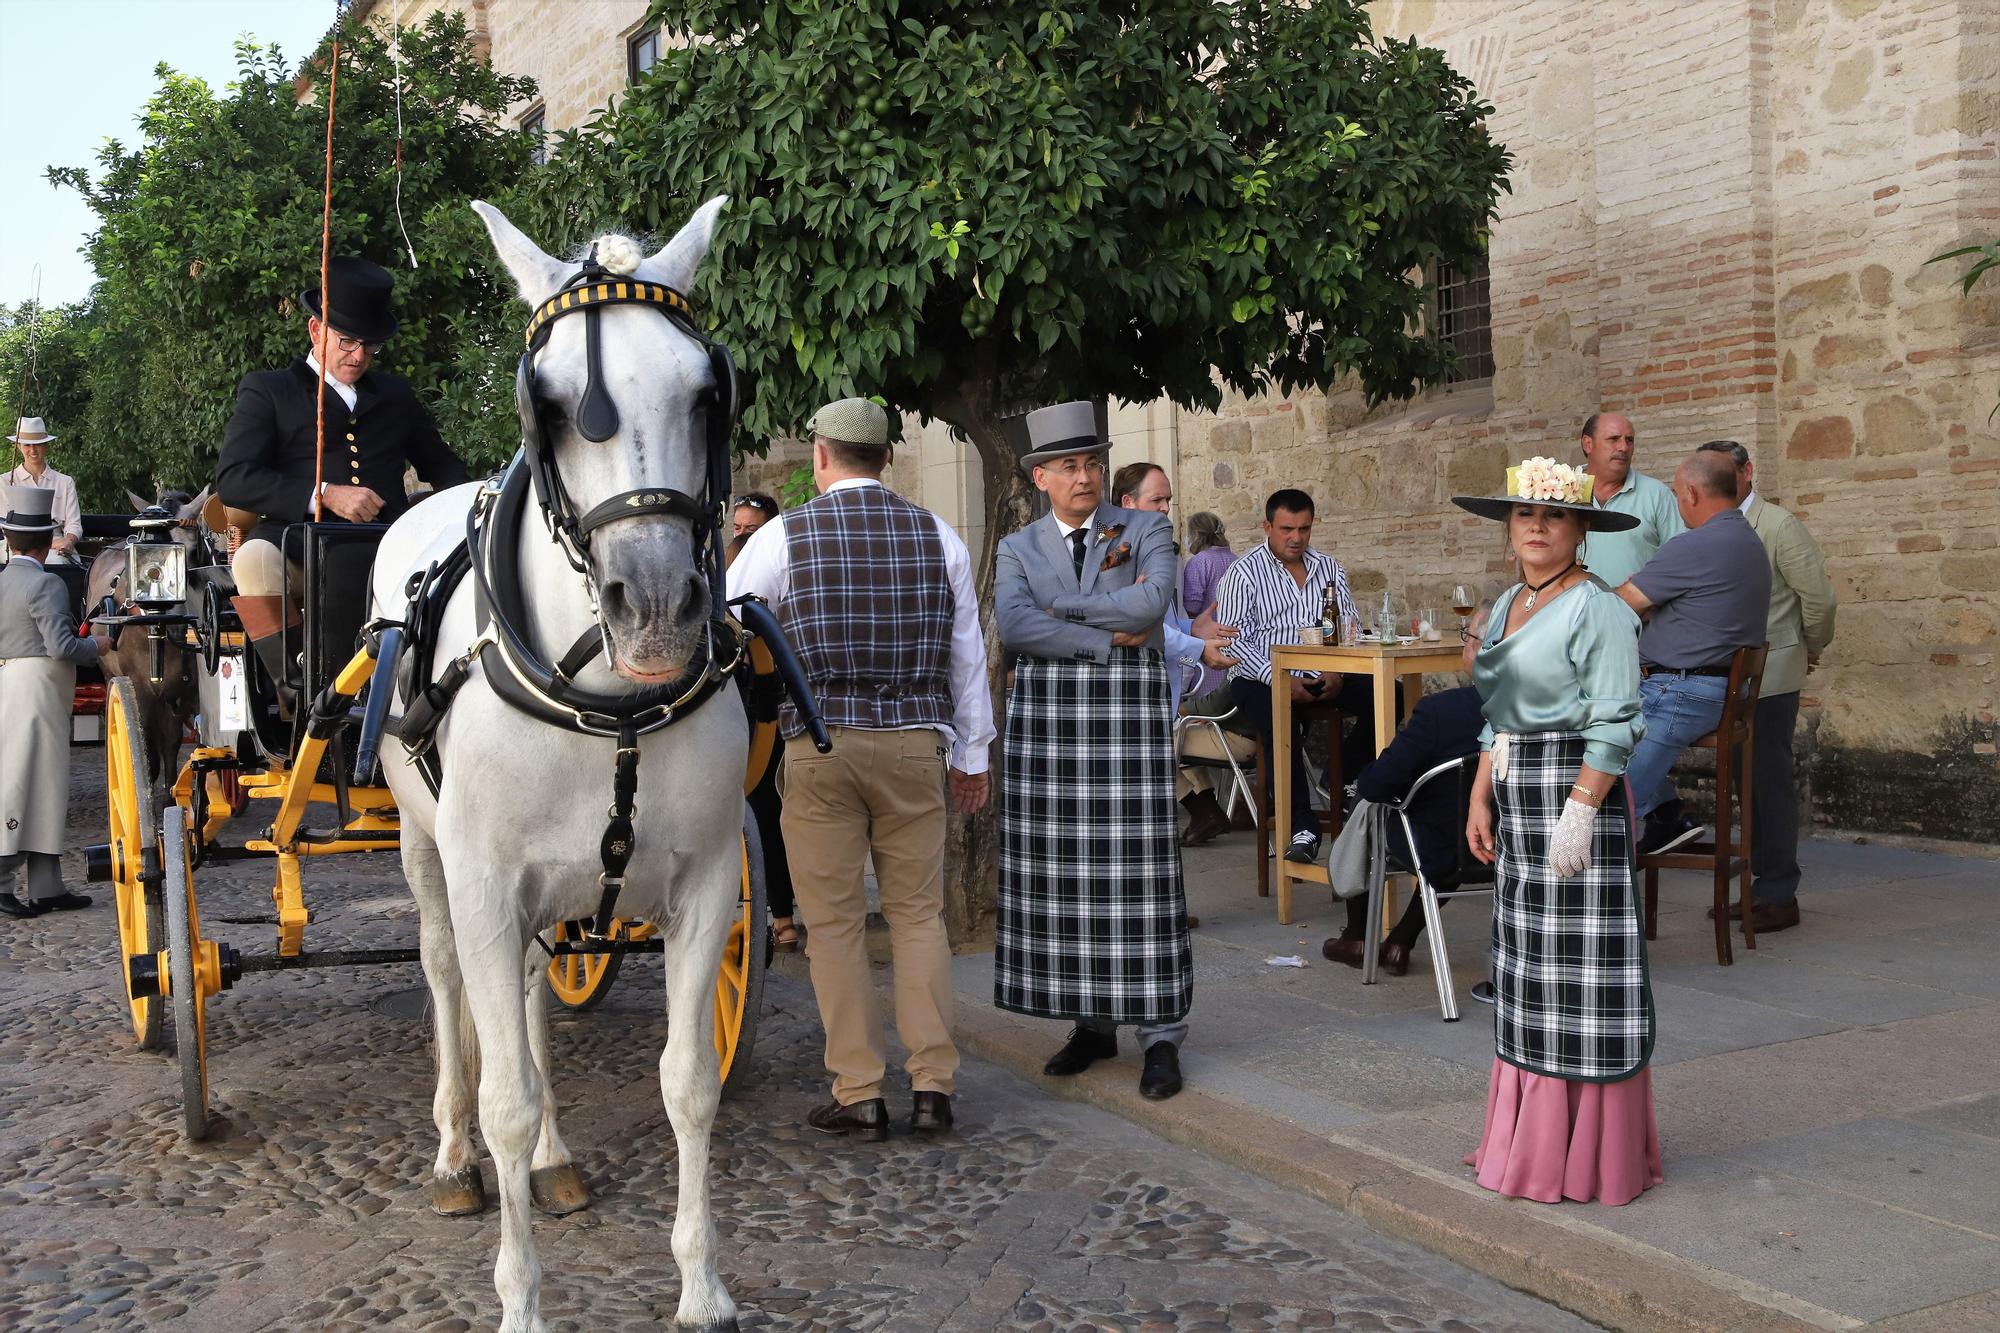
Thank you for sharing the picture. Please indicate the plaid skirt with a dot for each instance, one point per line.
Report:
(1572, 999)
(1092, 920)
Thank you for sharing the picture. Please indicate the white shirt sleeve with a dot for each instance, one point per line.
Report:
(972, 702)
(67, 509)
(764, 566)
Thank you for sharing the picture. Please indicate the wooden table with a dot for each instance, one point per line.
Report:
(1384, 667)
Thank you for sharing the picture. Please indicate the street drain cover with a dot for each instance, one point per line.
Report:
(413, 1004)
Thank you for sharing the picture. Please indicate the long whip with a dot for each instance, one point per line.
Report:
(325, 249)
(27, 367)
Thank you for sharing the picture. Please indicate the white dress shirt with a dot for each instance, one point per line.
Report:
(68, 514)
(764, 567)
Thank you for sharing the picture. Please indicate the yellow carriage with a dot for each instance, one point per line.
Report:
(314, 772)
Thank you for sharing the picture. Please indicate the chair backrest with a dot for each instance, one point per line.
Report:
(1739, 704)
(1461, 773)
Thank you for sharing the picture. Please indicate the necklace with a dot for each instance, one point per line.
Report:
(1535, 589)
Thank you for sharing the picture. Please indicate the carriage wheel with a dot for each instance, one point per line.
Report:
(135, 855)
(739, 982)
(581, 980)
(185, 958)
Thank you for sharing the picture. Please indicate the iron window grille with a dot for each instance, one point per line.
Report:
(536, 125)
(1463, 304)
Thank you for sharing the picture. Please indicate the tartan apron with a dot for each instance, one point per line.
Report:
(1092, 920)
(1572, 999)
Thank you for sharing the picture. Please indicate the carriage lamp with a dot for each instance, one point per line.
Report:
(156, 573)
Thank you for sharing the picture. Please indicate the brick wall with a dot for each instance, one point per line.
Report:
(1718, 225)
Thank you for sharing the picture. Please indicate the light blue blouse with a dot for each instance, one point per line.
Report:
(1572, 667)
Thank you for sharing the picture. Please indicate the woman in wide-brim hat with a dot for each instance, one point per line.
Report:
(1569, 1110)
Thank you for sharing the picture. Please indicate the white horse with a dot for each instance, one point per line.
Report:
(510, 844)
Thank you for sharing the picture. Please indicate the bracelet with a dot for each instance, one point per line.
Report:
(1595, 802)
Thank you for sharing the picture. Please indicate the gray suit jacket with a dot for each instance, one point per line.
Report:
(34, 616)
(1044, 610)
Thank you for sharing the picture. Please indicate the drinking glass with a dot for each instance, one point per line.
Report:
(1463, 604)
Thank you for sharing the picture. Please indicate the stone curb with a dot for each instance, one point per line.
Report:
(1528, 1247)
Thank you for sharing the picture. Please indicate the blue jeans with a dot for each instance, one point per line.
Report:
(1678, 709)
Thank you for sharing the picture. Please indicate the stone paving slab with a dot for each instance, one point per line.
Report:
(307, 1207)
(1796, 1092)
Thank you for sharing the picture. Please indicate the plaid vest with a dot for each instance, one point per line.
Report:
(869, 611)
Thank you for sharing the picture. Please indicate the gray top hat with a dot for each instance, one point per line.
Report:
(1061, 430)
(29, 509)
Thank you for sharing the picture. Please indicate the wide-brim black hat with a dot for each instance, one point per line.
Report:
(1547, 482)
(358, 296)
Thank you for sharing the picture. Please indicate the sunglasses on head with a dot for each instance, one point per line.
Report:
(756, 502)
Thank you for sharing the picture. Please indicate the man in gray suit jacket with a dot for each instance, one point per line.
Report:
(1092, 919)
(39, 654)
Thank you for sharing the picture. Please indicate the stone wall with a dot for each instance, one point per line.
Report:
(1719, 222)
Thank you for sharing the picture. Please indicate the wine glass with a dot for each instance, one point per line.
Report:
(1462, 606)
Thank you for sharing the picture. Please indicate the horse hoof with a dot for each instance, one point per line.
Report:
(558, 1190)
(458, 1193)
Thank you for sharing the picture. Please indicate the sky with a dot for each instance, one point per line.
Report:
(78, 72)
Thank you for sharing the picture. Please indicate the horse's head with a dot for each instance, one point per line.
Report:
(627, 420)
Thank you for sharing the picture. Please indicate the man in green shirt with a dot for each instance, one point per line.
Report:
(1608, 441)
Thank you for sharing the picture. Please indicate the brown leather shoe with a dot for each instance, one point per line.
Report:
(1337, 950)
(1767, 917)
(930, 1113)
(867, 1121)
(1394, 959)
(1205, 820)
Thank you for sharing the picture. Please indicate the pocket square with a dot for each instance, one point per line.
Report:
(1117, 556)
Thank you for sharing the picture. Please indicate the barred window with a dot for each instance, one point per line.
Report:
(536, 126)
(1465, 319)
(642, 52)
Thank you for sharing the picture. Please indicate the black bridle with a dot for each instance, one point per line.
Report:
(596, 419)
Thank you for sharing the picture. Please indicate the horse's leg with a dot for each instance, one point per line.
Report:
(456, 1189)
(691, 1086)
(485, 919)
(557, 1187)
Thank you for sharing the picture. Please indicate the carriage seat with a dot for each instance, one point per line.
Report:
(336, 560)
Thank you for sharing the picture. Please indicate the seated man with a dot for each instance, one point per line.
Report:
(1704, 595)
(1442, 727)
(375, 428)
(1266, 596)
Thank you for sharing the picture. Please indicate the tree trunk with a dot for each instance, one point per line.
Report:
(972, 847)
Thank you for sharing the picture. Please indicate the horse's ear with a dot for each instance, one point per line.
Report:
(138, 506)
(675, 262)
(193, 507)
(535, 274)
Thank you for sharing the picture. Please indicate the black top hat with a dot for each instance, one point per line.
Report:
(357, 293)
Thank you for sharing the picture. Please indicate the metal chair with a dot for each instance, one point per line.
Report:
(1239, 781)
(1467, 873)
(1727, 853)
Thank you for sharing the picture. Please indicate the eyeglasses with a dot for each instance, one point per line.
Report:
(1071, 469)
(1465, 634)
(756, 502)
(352, 345)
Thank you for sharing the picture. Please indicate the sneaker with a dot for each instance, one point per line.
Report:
(1483, 992)
(1305, 847)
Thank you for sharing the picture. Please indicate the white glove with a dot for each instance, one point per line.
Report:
(1569, 846)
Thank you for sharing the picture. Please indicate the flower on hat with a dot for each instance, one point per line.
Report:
(1545, 479)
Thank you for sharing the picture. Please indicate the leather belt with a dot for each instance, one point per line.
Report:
(1683, 672)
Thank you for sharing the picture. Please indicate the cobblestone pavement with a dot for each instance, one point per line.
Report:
(306, 1209)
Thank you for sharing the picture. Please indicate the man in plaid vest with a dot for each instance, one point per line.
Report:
(875, 595)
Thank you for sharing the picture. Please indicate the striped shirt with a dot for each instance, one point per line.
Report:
(1260, 600)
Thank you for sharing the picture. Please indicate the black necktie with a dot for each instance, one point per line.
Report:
(1076, 541)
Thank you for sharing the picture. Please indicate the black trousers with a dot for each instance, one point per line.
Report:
(777, 868)
(1355, 697)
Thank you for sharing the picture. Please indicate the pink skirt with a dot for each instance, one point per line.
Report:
(1549, 1139)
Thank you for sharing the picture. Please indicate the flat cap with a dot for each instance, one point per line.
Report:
(852, 421)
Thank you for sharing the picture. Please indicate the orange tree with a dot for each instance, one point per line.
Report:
(970, 210)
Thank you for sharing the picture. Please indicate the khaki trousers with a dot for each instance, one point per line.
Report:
(1199, 743)
(259, 568)
(879, 792)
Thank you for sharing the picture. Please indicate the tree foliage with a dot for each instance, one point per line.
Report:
(210, 227)
(971, 209)
(41, 382)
